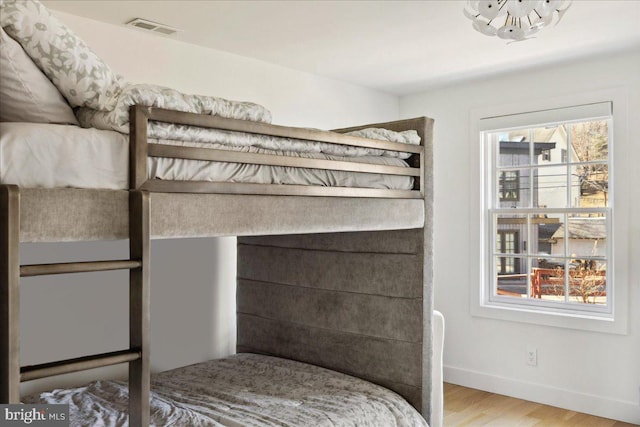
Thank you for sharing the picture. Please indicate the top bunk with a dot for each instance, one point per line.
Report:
(213, 167)
(187, 208)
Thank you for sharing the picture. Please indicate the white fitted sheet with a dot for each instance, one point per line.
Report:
(51, 156)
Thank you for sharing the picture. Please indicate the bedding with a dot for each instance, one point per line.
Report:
(27, 95)
(51, 156)
(161, 97)
(78, 73)
(243, 390)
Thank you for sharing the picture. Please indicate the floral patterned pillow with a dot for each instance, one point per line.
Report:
(78, 73)
(26, 94)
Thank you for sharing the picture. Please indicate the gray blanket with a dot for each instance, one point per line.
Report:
(244, 390)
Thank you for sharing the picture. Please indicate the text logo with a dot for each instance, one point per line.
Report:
(34, 415)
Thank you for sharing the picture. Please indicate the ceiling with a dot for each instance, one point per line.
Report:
(397, 47)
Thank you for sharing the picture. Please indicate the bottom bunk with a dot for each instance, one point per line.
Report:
(253, 390)
(333, 329)
(243, 390)
(357, 303)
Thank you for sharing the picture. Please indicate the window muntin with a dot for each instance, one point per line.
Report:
(549, 213)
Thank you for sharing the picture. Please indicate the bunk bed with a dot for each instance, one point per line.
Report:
(334, 279)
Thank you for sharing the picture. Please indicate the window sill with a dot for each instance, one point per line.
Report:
(594, 322)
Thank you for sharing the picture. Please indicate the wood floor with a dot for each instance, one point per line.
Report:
(469, 407)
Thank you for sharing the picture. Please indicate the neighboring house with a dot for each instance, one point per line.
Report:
(517, 187)
(587, 237)
(543, 183)
(551, 147)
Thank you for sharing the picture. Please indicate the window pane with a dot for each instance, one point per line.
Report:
(548, 279)
(511, 234)
(590, 140)
(592, 190)
(511, 276)
(548, 234)
(587, 236)
(550, 145)
(513, 188)
(588, 282)
(550, 187)
(513, 148)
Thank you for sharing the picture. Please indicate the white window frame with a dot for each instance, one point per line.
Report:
(614, 318)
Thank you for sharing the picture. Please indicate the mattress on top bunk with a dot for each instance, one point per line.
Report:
(243, 390)
(51, 156)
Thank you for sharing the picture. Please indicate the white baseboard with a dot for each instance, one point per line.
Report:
(580, 402)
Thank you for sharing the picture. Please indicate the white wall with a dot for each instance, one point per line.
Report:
(294, 98)
(586, 371)
(193, 280)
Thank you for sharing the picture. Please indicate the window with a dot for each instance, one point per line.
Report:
(547, 211)
(509, 186)
(507, 242)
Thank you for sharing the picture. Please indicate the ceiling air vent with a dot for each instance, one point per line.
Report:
(152, 26)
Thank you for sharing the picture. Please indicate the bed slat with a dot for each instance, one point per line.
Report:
(169, 186)
(34, 372)
(76, 267)
(217, 122)
(210, 154)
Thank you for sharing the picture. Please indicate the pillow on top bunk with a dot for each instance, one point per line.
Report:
(78, 73)
(27, 95)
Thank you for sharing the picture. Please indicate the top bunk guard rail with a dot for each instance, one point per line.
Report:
(140, 150)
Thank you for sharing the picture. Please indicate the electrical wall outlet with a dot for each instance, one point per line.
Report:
(532, 356)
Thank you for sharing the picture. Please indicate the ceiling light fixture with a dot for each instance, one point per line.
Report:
(514, 20)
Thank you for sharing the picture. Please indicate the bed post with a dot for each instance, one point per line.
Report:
(139, 295)
(138, 148)
(9, 294)
(427, 186)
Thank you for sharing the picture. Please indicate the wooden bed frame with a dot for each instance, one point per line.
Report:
(30, 219)
(140, 150)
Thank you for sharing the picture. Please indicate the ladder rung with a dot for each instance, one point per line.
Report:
(76, 267)
(33, 372)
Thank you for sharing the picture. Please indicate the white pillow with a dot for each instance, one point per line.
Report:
(80, 76)
(27, 95)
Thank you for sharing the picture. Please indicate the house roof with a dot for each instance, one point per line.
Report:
(542, 134)
(519, 147)
(584, 228)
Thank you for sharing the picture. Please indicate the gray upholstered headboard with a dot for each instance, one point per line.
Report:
(351, 302)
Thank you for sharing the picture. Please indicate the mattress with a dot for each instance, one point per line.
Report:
(243, 390)
(50, 156)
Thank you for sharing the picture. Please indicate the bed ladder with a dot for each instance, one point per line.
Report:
(137, 356)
